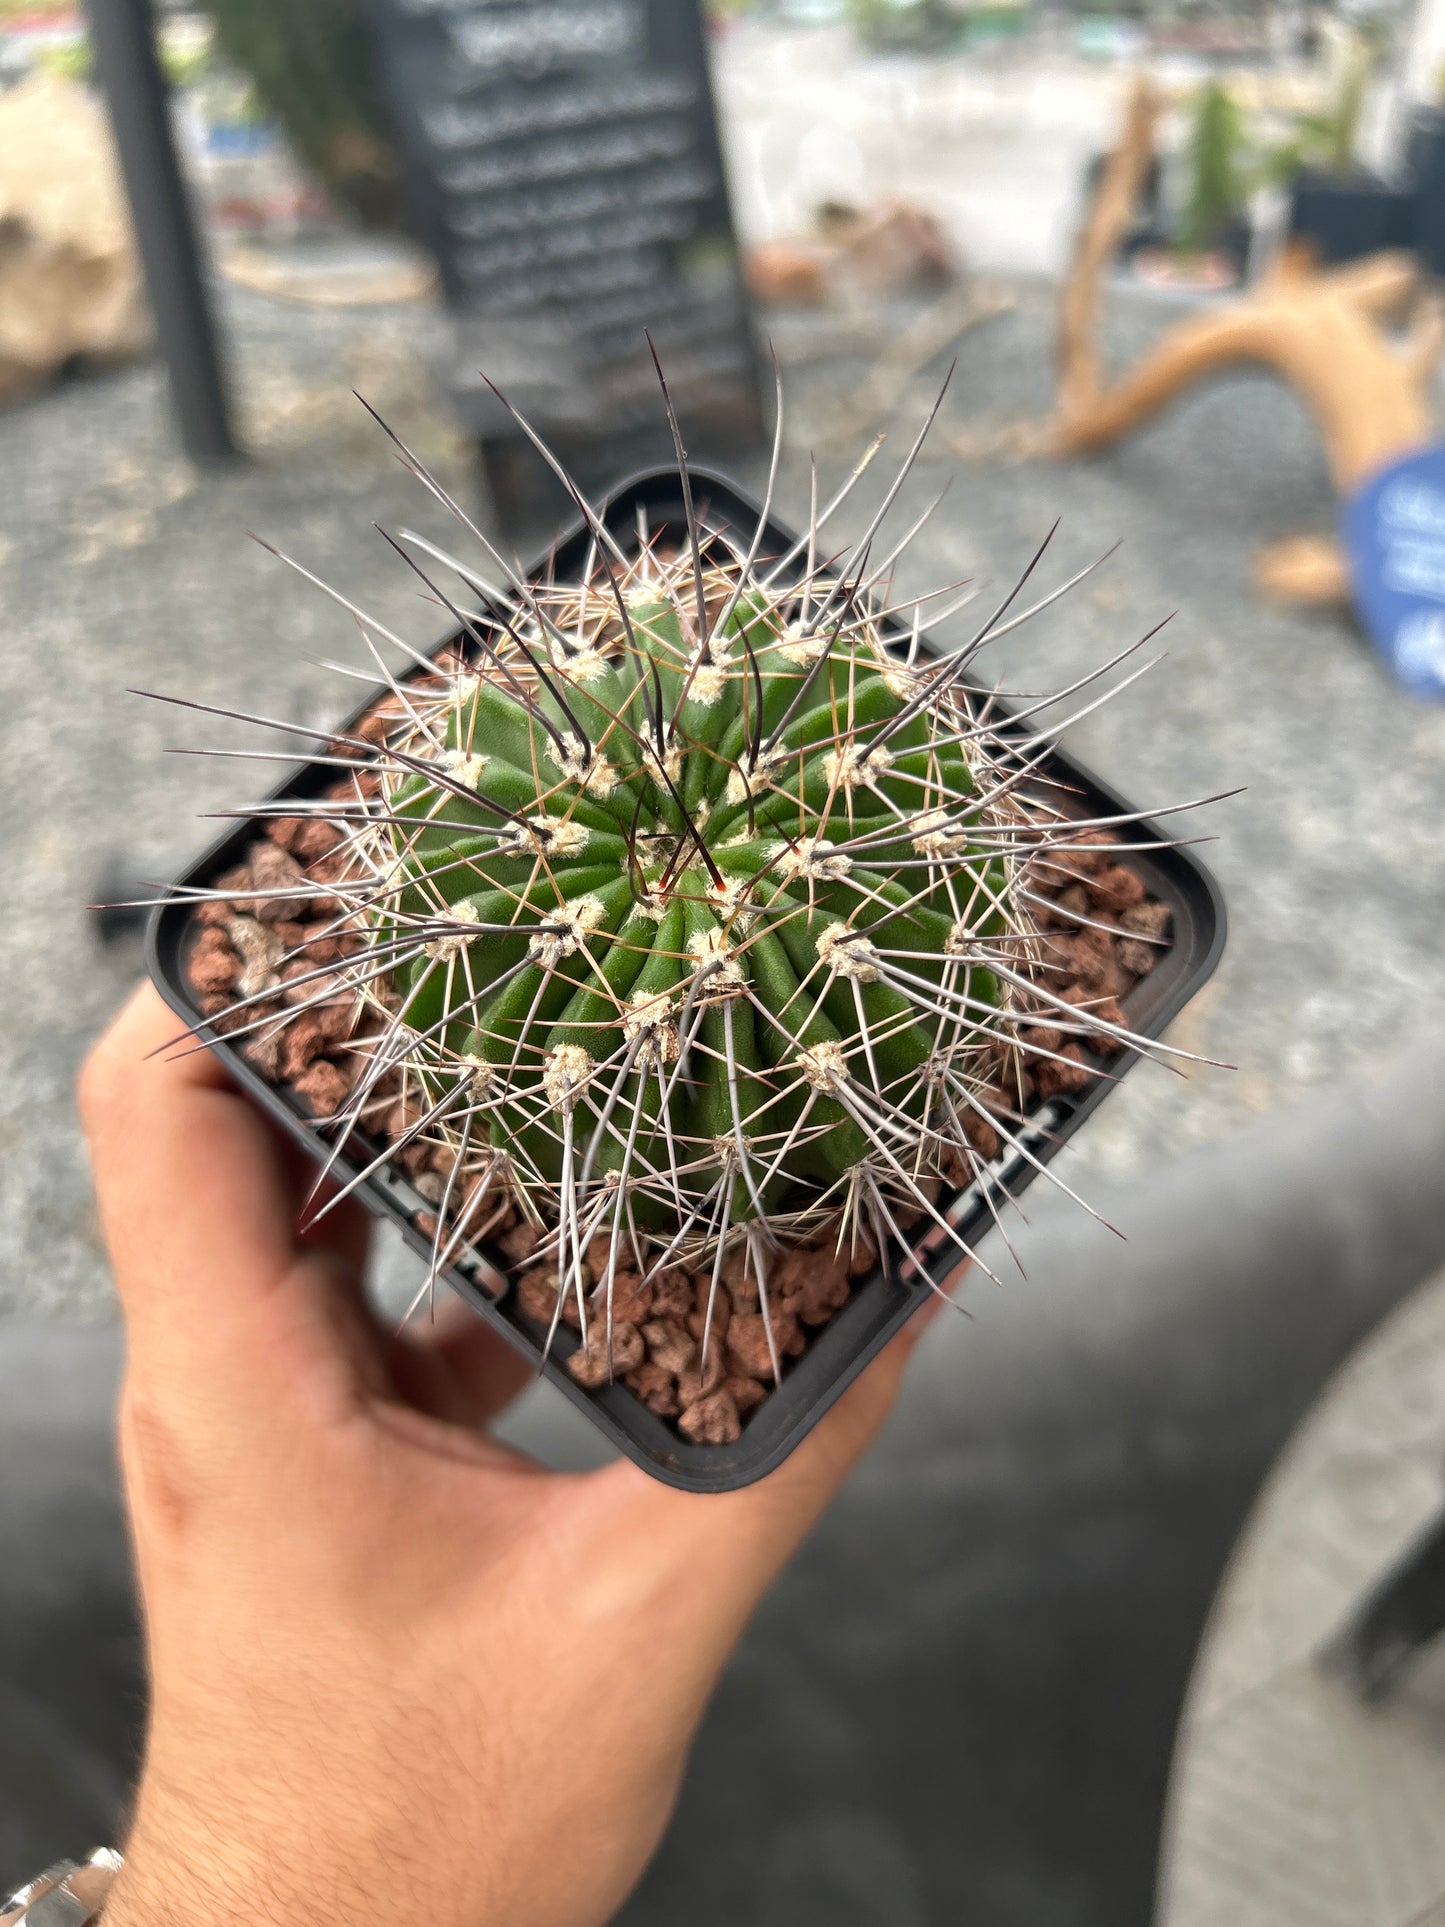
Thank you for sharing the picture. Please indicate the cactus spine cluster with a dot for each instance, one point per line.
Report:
(694, 903)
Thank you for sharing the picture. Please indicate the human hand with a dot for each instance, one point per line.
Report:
(396, 1667)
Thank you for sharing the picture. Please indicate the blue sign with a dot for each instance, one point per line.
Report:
(1394, 533)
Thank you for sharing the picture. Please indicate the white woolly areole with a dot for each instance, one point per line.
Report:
(731, 897)
(715, 959)
(455, 940)
(649, 1015)
(545, 836)
(671, 763)
(585, 665)
(594, 772)
(483, 1074)
(462, 766)
(464, 687)
(566, 1071)
(578, 920)
(708, 683)
(569, 755)
(853, 767)
(654, 901)
(800, 645)
(811, 856)
(388, 879)
(743, 783)
(898, 681)
(959, 940)
(823, 1065)
(847, 955)
(935, 833)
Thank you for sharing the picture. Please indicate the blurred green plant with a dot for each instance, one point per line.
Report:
(1325, 140)
(313, 67)
(903, 23)
(1217, 170)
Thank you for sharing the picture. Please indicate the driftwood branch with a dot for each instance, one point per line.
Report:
(1322, 330)
(1322, 333)
(1081, 379)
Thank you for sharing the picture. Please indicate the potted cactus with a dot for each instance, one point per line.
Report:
(1208, 232)
(1214, 219)
(689, 958)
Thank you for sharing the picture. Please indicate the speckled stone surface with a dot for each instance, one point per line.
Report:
(118, 568)
(122, 570)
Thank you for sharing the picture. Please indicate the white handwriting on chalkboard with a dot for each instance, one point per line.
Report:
(574, 157)
(481, 216)
(540, 38)
(511, 293)
(450, 124)
(680, 305)
(634, 230)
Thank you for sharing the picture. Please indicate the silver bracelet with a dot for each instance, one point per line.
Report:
(69, 1894)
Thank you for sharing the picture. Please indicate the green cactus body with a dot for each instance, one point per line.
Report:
(693, 916)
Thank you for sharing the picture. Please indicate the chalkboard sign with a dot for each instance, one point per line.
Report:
(562, 161)
(1394, 532)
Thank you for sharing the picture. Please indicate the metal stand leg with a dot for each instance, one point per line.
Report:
(122, 36)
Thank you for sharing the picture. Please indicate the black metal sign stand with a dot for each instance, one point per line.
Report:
(122, 34)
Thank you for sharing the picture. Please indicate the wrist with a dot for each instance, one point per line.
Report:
(186, 1869)
(180, 1873)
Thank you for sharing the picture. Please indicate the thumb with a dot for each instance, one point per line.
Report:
(230, 1318)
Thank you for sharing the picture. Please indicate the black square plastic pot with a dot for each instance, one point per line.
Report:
(1348, 216)
(1425, 184)
(882, 1302)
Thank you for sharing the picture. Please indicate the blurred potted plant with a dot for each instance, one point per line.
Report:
(903, 23)
(1425, 178)
(1215, 218)
(313, 67)
(1209, 240)
(1340, 207)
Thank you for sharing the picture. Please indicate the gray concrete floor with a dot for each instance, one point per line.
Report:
(960, 1702)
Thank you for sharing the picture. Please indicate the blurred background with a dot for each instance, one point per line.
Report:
(1129, 1618)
